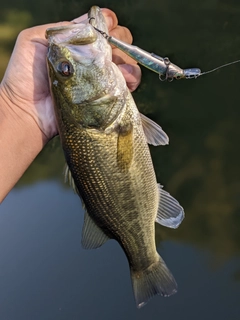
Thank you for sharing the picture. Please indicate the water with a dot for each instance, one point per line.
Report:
(44, 272)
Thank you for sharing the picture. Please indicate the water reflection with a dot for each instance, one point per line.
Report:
(44, 273)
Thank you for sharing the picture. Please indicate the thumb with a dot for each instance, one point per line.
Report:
(132, 74)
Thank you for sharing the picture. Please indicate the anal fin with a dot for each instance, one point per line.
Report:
(170, 212)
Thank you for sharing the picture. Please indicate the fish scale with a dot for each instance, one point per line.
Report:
(96, 182)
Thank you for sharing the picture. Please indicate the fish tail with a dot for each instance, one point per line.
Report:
(154, 280)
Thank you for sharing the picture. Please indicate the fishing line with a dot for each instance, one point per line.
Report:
(193, 73)
(222, 66)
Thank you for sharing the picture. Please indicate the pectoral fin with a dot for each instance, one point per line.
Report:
(153, 132)
(170, 213)
(92, 236)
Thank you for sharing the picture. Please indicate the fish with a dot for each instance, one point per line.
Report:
(108, 162)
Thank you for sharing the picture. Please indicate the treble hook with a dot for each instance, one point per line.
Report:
(166, 75)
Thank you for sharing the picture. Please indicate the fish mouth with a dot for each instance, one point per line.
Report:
(79, 33)
(80, 41)
(96, 19)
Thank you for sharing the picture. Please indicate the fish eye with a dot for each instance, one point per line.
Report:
(65, 68)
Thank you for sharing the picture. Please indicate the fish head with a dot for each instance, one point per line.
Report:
(76, 57)
(84, 81)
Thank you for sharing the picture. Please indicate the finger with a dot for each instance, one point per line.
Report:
(109, 15)
(111, 18)
(132, 75)
(80, 19)
(38, 33)
(119, 57)
(122, 33)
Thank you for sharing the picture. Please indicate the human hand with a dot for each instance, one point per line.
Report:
(25, 85)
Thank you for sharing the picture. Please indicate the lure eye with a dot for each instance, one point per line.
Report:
(65, 68)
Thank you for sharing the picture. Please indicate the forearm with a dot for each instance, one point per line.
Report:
(20, 142)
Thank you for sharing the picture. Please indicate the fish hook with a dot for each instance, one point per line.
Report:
(104, 34)
(166, 75)
(91, 18)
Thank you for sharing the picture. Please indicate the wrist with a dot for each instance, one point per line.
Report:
(20, 142)
(14, 109)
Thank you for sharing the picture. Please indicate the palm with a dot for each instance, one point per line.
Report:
(28, 83)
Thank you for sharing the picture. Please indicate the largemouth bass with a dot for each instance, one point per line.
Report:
(105, 142)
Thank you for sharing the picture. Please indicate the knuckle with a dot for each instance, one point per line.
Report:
(122, 33)
(23, 34)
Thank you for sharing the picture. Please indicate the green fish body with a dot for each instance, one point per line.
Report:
(105, 142)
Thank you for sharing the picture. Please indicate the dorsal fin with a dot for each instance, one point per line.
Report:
(170, 213)
(153, 132)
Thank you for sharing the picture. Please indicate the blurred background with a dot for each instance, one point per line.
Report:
(44, 272)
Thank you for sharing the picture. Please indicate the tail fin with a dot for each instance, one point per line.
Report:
(154, 280)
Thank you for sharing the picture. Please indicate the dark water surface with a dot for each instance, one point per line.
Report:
(44, 272)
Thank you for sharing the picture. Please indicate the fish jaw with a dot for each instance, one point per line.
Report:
(97, 19)
(78, 34)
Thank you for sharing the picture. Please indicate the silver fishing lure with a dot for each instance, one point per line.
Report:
(163, 66)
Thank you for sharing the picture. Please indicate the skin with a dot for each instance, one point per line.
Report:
(27, 120)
